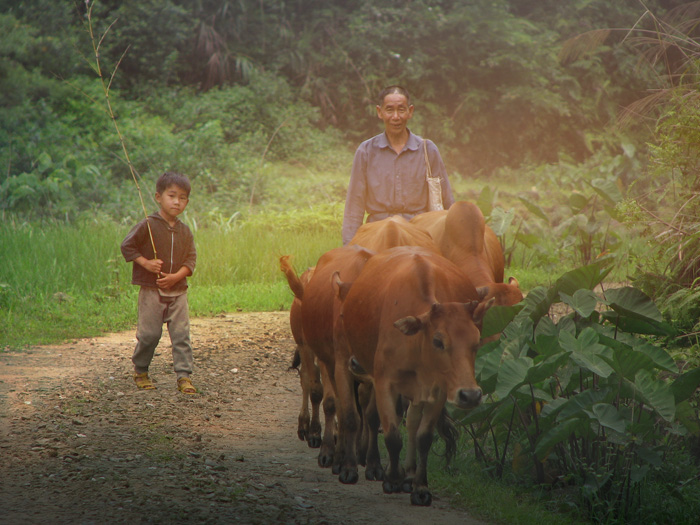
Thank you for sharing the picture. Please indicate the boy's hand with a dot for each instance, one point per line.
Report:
(167, 280)
(152, 265)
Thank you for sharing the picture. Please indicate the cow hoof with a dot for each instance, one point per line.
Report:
(407, 486)
(390, 487)
(302, 435)
(325, 461)
(348, 476)
(314, 442)
(374, 474)
(422, 498)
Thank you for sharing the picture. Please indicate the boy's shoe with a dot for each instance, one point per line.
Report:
(143, 381)
(184, 385)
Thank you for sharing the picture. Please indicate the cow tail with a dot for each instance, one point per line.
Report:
(292, 279)
(296, 361)
(449, 432)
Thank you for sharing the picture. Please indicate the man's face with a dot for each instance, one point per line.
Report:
(395, 113)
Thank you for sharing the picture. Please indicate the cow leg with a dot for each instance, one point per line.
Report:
(386, 406)
(365, 393)
(413, 419)
(348, 423)
(370, 431)
(424, 439)
(304, 419)
(316, 398)
(312, 390)
(327, 453)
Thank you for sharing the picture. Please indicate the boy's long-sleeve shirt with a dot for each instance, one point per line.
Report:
(175, 247)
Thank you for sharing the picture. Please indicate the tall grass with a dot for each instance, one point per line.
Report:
(61, 281)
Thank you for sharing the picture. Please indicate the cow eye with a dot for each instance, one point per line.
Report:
(438, 342)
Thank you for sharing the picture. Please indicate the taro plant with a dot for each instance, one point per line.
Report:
(589, 399)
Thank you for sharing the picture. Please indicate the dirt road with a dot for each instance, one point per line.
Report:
(80, 444)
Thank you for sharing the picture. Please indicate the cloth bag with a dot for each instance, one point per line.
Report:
(434, 187)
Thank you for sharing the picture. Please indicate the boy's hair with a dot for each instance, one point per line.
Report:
(393, 90)
(170, 178)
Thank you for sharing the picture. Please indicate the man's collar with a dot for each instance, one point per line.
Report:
(413, 143)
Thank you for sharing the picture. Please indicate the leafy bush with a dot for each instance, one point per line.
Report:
(588, 400)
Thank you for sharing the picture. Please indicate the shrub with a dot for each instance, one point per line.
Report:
(588, 400)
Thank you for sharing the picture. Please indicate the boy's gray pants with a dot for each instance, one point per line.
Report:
(154, 310)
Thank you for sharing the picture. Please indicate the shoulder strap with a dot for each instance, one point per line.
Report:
(429, 172)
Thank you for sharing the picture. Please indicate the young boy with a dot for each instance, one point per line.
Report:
(163, 281)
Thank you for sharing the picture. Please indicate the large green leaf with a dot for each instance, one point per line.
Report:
(583, 302)
(659, 356)
(585, 351)
(558, 434)
(511, 375)
(485, 200)
(627, 362)
(635, 325)
(536, 304)
(586, 277)
(578, 201)
(607, 188)
(685, 385)
(497, 318)
(547, 368)
(632, 302)
(578, 404)
(501, 220)
(608, 416)
(534, 209)
(656, 394)
(487, 366)
(688, 417)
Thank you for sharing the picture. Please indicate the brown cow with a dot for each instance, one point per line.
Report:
(430, 358)
(308, 428)
(464, 238)
(320, 309)
(378, 236)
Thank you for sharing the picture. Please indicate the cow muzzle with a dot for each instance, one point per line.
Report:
(468, 397)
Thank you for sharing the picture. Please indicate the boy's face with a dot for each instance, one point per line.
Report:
(173, 201)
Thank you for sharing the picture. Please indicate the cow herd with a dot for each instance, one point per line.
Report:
(387, 329)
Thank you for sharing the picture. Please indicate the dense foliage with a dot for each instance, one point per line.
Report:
(588, 401)
(216, 89)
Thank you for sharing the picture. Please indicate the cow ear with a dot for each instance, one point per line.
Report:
(340, 288)
(483, 292)
(409, 325)
(513, 282)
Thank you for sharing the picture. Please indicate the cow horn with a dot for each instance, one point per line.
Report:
(340, 288)
(483, 291)
(471, 306)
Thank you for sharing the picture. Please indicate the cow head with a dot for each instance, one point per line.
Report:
(450, 339)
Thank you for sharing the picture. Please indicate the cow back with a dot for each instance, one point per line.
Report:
(393, 231)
